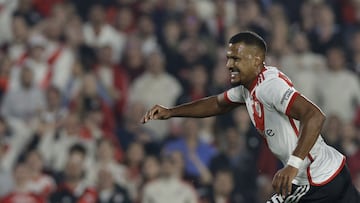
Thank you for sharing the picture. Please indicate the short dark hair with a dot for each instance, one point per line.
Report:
(77, 148)
(249, 38)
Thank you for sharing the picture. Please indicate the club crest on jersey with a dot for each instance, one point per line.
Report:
(257, 112)
(269, 132)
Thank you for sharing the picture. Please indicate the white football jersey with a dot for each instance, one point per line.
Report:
(268, 102)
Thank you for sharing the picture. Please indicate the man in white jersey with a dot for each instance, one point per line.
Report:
(290, 124)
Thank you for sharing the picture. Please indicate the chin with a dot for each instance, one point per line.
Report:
(235, 83)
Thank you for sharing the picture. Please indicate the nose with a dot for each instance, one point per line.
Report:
(230, 63)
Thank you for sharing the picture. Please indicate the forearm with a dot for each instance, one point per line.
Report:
(205, 107)
(309, 132)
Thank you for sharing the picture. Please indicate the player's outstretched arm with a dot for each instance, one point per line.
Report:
(209, 106)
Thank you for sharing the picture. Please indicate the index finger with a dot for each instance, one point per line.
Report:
(145, 118)
(285, 186)
(147, 115)
(289, 186)
(276, 183)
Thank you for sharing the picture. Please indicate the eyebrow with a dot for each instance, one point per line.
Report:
(232, 57)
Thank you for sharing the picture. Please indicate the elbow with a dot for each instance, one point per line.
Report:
(323, 117)
(319, 118)
(315, 118)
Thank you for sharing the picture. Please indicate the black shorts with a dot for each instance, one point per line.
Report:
(339, 190)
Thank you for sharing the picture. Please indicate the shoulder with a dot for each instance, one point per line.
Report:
(272, 77)
(350, 76)
(272, 72)
(274, 86)
(188, 188)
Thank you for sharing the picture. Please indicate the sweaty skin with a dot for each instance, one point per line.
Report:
(244, 63)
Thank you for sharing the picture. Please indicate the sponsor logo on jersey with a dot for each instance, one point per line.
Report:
(287, 95)
(269, 132)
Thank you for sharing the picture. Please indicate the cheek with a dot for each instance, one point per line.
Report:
(244, 70)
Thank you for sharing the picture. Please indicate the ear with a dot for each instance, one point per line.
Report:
(258, 60)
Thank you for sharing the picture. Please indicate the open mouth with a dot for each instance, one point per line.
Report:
(234, 72)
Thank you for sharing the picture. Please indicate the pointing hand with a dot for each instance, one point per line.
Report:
(156, 113)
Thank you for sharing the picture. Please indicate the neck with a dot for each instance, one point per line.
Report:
(26, 87)
(251, 84)
(107, 187)
(72, 184)
(21, 186)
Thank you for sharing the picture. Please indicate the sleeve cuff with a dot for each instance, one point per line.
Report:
(227, 99)
(291, 102)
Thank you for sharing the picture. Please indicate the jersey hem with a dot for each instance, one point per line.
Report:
(330, 178)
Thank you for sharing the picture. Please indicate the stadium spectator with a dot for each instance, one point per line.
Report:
(355, 51)
(240, 163)
(61, 140)
(168, 185)
(20, 192)
(129, 130)
(24, 103)
(150, 168)
(196, 84)
(332, 130)
(124, 20)
(197, 154)
(105, 157)
(222, 189)
(325, 33)
(169, 41)
(112, 80)
(109, 191)
(98, 32)
(155, 80)
(25, 10)
(17, 47)
(71, 183)
(133, 60)
(332, 96)
(135, 155)
(34, 59)
(6, 178)
(58, 56)
(146, 34)
(39, 183)
(303, 65)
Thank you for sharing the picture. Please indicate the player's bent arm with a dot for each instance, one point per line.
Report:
(311, 121)
(206, 107)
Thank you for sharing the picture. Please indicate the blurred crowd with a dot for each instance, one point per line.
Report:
(77, 76)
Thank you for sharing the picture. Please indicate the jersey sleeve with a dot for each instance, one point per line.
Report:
(235, 95)
(278, 93)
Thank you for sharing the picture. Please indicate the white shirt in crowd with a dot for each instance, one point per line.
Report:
(165, 190)
(339, 94)
(167, 89)
(107, 36)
